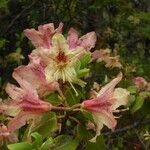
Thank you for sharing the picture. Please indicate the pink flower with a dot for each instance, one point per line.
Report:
(87, 41)
(42, 37)
(34, 73)
(101, 54)
(108, 99)
(112, 62)
(6, 136)
(140, 82)
(25, 104)
(105, 55)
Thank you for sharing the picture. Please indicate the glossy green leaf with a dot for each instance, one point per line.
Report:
(132, 89)
(65, 142)
(85, 60)
(131, 99)
(138, 104)
(54, 99)
(37, 139)
(20, 146)
(83, 133)
(47, 124)
(144, 94)
(46, 145)
(71, 96)
(99, 145)
(82, 72)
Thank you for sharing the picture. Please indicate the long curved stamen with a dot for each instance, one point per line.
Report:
(74, 89)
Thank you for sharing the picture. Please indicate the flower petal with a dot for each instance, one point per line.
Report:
(20, 120)
(34, 73)
(42, 37)
(106, 118)
(140, 82)
(72, 38)
(34, 36)
(87, 41)
(14, 92)
(107, 91)
(121, 98)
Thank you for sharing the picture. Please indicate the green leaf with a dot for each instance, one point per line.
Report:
(65, 142)
(71, 97)
(131, 99)
(54, 99)
(132, 89)
(37, 141)
(140, 100)
(85, 60)
(20, 146)
(144, 94)
(46, 145)
(138, 104)
(83, 133)
(87, 115)
(82, 72)
(47, 124)
(99, 145)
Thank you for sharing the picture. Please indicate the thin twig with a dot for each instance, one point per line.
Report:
(19, 15)
(129, 127)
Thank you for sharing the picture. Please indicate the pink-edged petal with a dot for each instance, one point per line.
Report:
(42, 37)
(34, 37)
(31, 74)
(140, 82)
(30, 91)
(105, 97)
(20, 120)
(4, 131)
(46, 28)
(112, 62)
(6, 135)
(87, 41)
(96, 54)
(39, 107)
(96, 104)
(14, 92)
(10, 108)
(47, 31)
(107, 91)
(72, 38)
(59, 29)
(106, 118)
(121, 98)
(34, 74)
(99, 126)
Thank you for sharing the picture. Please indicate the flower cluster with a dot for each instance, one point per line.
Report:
(54, 62)
(106, 56)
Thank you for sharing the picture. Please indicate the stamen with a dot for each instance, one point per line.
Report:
(74, 89)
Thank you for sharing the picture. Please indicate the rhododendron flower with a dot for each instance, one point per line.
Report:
(42, 37)
(87, 41)
(112, 62)
(108, 99)
(25, 104)
(101, 54)
(62, 62)
(60, 56)
(140, 82)
(34, 73)
(6, 136)
(105, 55)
